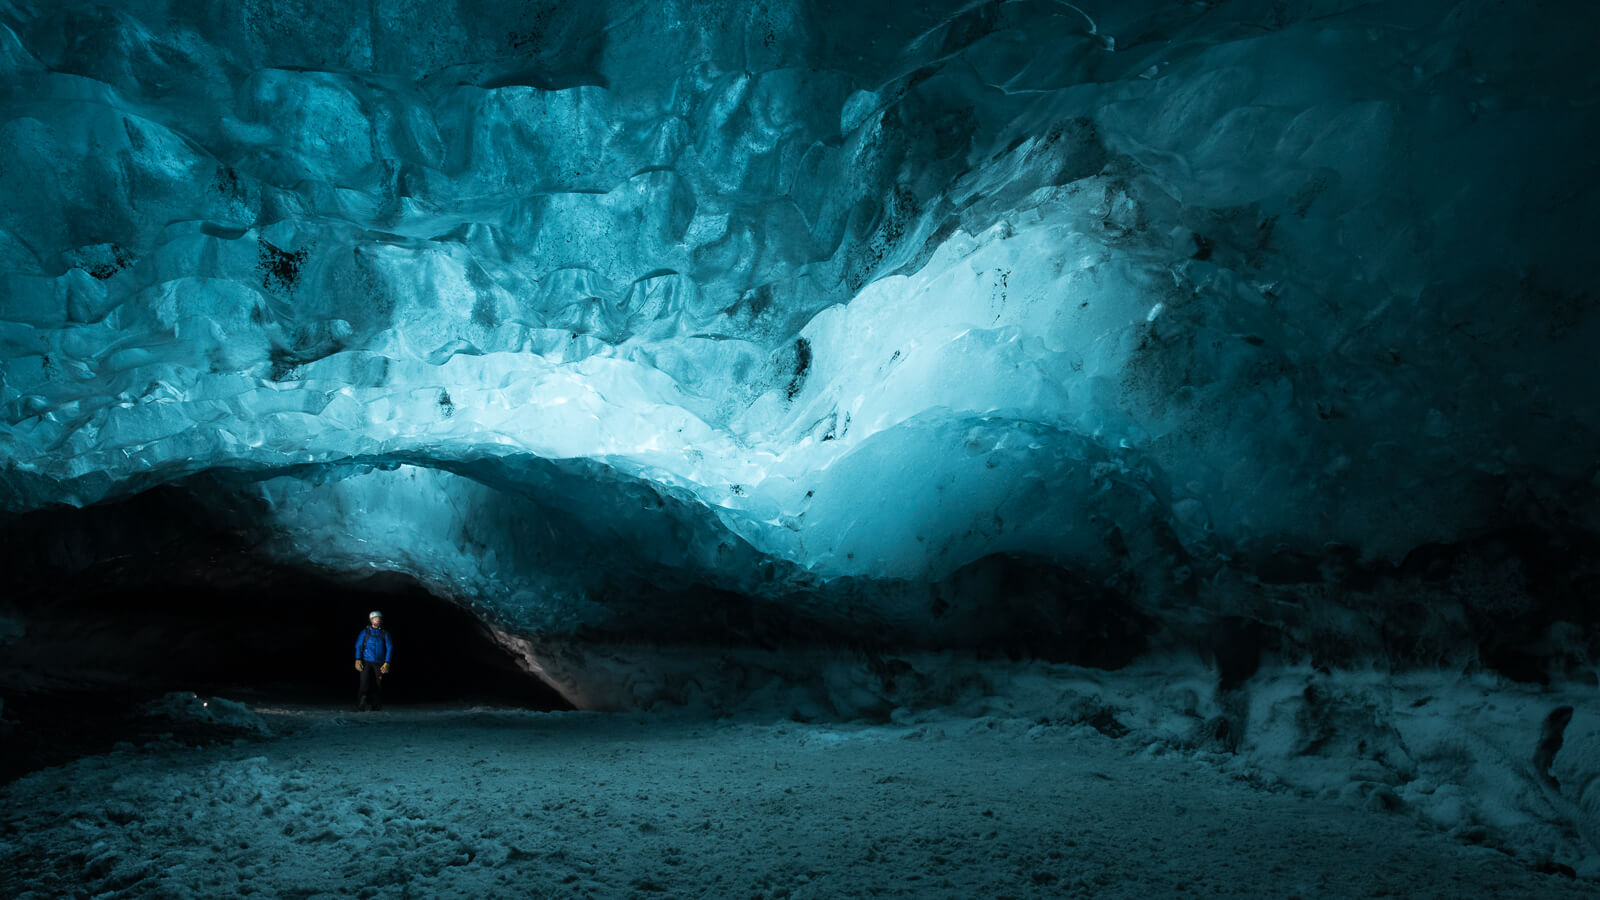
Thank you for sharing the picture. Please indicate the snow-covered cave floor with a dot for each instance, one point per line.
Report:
(430, 802)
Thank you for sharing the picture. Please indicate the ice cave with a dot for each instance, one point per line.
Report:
(799, 448)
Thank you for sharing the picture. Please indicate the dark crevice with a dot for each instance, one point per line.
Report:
(1552, 735)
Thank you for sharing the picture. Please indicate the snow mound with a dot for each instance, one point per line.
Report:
(218, 715)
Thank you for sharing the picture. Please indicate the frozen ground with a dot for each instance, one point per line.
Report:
(1096, 801)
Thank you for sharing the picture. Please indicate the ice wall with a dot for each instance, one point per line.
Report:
(1227, 310)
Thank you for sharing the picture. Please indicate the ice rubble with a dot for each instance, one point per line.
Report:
(1114, 778)
(207, 713)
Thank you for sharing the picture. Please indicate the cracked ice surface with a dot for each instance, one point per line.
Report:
(851, 292)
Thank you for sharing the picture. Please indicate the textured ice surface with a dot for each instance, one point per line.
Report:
(542, 302)
(1035, 783)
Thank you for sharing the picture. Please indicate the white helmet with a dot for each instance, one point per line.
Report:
(374, 615)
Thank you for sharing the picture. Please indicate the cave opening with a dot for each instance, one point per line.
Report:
(111, 607)
(283, 638)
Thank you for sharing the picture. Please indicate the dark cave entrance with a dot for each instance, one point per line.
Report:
(105, 609)
(279, 636)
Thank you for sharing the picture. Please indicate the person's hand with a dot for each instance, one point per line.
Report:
(358, 665)
(383, 669)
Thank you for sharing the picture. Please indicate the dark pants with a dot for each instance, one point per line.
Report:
(371, 687)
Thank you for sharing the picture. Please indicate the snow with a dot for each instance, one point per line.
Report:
(1103, 791)
(192, 709)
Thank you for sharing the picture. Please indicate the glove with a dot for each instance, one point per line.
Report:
(358, 665)
(383, 669)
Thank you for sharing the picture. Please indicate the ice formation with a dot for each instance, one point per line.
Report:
(1227, 365)
(609, 318)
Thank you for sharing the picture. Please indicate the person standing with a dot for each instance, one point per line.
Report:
(373, 650)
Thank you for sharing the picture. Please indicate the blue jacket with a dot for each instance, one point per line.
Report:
(374, 645)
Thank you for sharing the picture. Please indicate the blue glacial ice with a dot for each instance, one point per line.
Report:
(819, 303)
